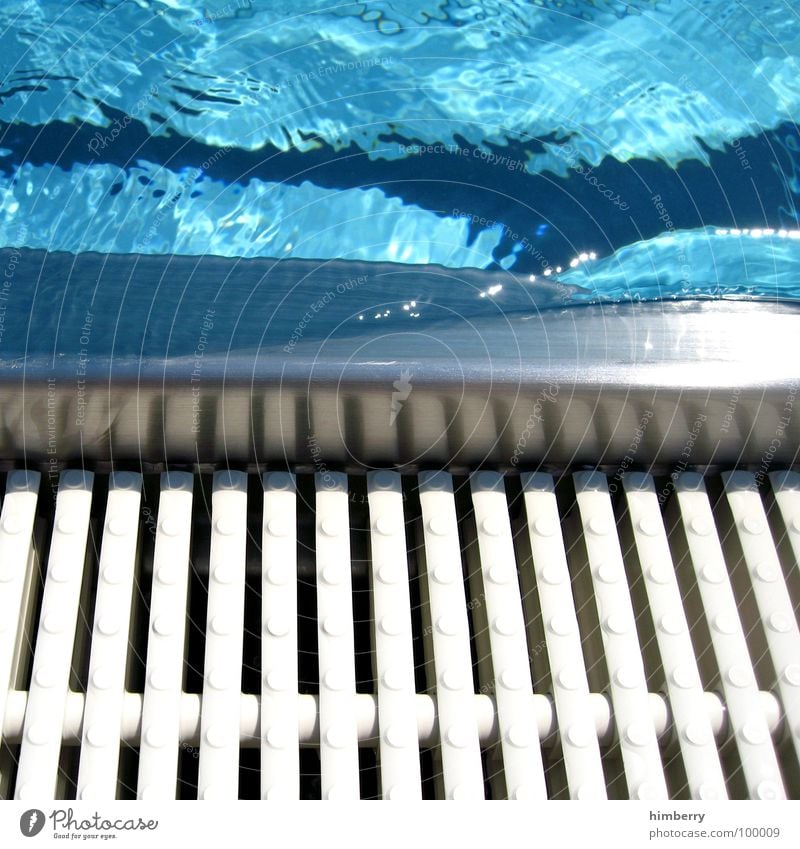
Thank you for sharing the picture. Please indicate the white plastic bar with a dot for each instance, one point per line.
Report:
(692, 726)
(102, 722)
(280, 745)
(394, 655)
(218, 769)
(337, 678)
(568, 669)
(52, 661)
(770, 590)
(637, 735)
(161, 708)
(458, 728)
(786, 486)
(16, 566)
(365, 708)
(519, 738)
(745, 714)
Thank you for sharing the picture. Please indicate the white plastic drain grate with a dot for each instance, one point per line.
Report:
(399, 636)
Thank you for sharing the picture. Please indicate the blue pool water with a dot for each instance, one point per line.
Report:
(626, 151)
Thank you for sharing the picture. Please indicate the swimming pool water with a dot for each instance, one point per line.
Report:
(637, 150)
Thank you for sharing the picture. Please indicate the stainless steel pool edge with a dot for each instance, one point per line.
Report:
(632, 385)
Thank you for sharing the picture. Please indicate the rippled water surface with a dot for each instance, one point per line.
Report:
(632, 150)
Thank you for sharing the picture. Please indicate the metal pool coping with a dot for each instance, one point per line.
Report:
(637, 385)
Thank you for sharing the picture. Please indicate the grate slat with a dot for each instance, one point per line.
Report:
(162, 701)
(105, 693)
(44, 715)
(280, 752)
(218, 770)
(337, 679)
(394, 655)
(458, 731)
(17, 563)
